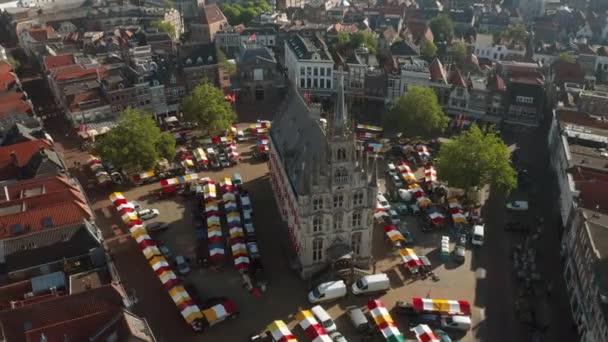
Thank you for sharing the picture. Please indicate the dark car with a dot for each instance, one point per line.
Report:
(157, 226)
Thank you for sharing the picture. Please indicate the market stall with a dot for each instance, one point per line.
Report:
(445, 248)
(436, 217)
(421, 199)
(201, 156)
(314, 331)
(456, 211)
(424, 333)
(215, 238)
(410, 259)
(179, 180)
(369, 128)
(406, 173)
(430, 175)
(423, 152)
(384, 322)
(141, 177)
(395, 236)
(280, 332)
(188, 309)
(442, 306)
(233, 218)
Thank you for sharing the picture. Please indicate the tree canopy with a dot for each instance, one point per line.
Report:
(428, 48)
(136, 143)
(164, 26)
(458, 52)
(244, 13)
(357, 39)
(417, 113)
(442, 27)
(516, 33)
(229, 68)
(477, 158)
(206, 106)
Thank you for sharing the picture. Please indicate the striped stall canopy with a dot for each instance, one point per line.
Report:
(226, 184)
(210, 191)
(147, 174)
(311, 327)
(93, 160)
(169, 181)
(230, 206)
(200, 155)
(445, 306)
(214, 233)
(422, 151)
(456, 211)
(384, 322)
(158, 262)
(393, 234)
(424, 333)
(129, 216)
(151, 252)
(236, 232)
(280, 332)
(187, 162)
(410, 258)
(229, 197)
(233, 217)
(211, 206)
(403, 167)
(430, 174)
(370, 128)
(213, 221)
(218, 312)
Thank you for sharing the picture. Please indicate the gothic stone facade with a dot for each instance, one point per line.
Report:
(323, 188)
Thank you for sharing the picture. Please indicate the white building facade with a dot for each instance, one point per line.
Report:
(309, 65)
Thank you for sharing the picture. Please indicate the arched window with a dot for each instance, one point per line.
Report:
(338, 221)
(317, 224)
(356, 219)
(355, 242)
(317, 250)
(341, 154)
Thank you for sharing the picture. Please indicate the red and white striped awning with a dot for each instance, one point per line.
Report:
(410, 258)
(424, 333)
(384, 322)
(312, 328)
(444, 306)
(280, 332)
(430, 174)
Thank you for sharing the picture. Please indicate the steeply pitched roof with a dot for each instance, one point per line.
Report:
(419, 30)
(456, 79)
(212, 14)
(16, 323)
(250, 55)
(437, 71)
(23, 153)
(404, 48)
(72, 72)
(42, 34)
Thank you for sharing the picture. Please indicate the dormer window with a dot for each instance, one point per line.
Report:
(341, 154)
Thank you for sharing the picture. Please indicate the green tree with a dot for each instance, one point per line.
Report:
(428, 48)
(364, 38)
(136, 143)
(229, 68)
(477, 158)
(442, 27)
(343, 38)
(164, 26)
(417, 113)
(232, 13)
(207, 107)
(458, 52)
(566, 57)
(516, 33)
(244, 13)
(247, 15)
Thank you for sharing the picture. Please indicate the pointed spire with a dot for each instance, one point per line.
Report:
(341, 114)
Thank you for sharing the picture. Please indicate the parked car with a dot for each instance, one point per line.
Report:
(224, 161)
(518, 205)
(462, 323)
(394, 217)
(401, 208)
(459, 254)
(157, 226)
(240, 136)
(136, 205)
(146, 214)
(402, 227)
(383, 202)
(182, 265)
(324, 319)
(165, 250)
(252, 248)
(359, 320)
(442, 335)
(336, 336)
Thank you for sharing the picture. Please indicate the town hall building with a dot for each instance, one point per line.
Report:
(325, 189)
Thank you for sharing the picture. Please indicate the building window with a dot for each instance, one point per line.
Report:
(524, 99)
(341, 155)
(315, 71)
(341, 176)
(317, 250)
(355, 242)
(308, 83)
(322, 82)
(302, 71)
(338, 201)
(358, 198)
(328, 84)
(315, 83)
(317, 203)
(317, 224)
(308, 71)
(338, 221)
(302, 83)
(322, 71)
(356, 221)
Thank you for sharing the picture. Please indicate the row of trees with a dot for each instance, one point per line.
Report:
(357, 39)
(244, 13)
(136, 144)
(476, 158)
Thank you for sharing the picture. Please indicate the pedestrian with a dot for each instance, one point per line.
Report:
(428, 294)
(374, 267)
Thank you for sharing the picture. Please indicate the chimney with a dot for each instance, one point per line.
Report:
(14, 158)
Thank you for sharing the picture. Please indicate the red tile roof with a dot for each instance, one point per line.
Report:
(593, 194)
(72, 72)
(500, 83)
(79, 98)
(50, 184)
(77, 329)
(581, 119)
(5, 67)
(58, 315)
(52, 62)
(41, 34)
(586, 49)
(24, 152)
(13, 292)
(419, 30)
(9, 96)
(456, 79)
(13, 106)
(437, 71)
(212, 14)
(568, 72)
(7, 79)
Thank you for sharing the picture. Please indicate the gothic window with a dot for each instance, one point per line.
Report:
(358, 198)
(356, 219)
(338, 218)
(317, 223)
(317, 250)
(341, 154)
(317, 203)
(355, 242)
(338, 201)
(341, 176)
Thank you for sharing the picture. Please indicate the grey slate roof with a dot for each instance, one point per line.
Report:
(404, 48)
(250, 55)
(304, 48)
(300, 141)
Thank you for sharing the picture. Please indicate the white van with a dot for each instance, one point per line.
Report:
(462, 323)
(477, 238)
(324, 319)
(371, 283)
(327, 291)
